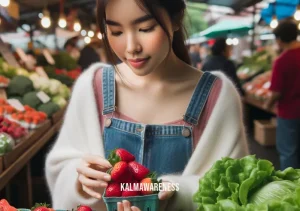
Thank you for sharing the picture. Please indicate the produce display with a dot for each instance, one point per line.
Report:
(29, 118)
(259, 86)
(14, 129)
(65, 69)
(248, 184)
(24, 86)
(5, 206)
(252, 66)
(58, 92)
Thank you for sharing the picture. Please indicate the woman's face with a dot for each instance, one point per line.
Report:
(135, 36)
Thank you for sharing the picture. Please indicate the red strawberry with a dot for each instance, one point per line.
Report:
(138, 171)
(128, 193)
(42, 208)
(113, 190)
(83, 208)
(120, 155)
(120, 172)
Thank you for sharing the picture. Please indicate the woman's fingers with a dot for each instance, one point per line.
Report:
(135, 209)
(97, 160)
(91, 192)
(164, 195)
(91, 183)
(92, 173)
(125, 206)
(120, 206)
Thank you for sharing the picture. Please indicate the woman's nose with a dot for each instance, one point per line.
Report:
(133, 45)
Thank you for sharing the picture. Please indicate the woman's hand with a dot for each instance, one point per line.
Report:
(92, 174)
(163, 196)
(125, 206)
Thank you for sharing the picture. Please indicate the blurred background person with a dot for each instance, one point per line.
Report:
(285, 90)
(219, 61)
(71, 47)
(92, 53)
(194, 52)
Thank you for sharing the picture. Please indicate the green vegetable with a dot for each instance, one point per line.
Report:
(32, 100)
(21, 71)
(64, 61)
(6, 143)
(54, 86)
(19, 86)
(60, 101)
(7, 70)
(49, 108)
(248, 184)
(273, 191)
(64, 92)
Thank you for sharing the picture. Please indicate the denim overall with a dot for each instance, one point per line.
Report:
(164, 149)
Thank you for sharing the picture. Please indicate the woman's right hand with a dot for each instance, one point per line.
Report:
(92, 174)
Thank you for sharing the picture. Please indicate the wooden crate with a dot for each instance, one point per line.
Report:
(265, 132)
(25, 143)
(58, 125)
(1, 164)
(56, 117)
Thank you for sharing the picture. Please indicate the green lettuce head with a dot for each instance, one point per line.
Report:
(248, 184)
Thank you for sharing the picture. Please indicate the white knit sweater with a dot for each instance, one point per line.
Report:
(80, 134)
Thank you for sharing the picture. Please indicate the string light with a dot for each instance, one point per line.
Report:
(62, 22)
(4, 3)
(99, 35)
(83, 33)
(274, 22)
(229, 41)
(77, 26)
(46, 21)
(87, 40)
(297, 14)
(235, 41)
(91, 34)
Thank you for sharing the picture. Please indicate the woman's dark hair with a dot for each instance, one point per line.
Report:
(286, 31)
(175, 9)
(219, 47)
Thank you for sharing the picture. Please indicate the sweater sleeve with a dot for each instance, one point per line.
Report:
(224, 136)
(72, 143)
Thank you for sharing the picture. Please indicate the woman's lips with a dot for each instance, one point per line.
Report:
(137, 63)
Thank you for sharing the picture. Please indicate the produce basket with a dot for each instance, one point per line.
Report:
(145, 203)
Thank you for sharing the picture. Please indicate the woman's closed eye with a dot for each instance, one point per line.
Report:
(149, 29)
(116, 34)
(145, 30)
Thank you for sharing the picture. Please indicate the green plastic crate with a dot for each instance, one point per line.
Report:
(145, 203)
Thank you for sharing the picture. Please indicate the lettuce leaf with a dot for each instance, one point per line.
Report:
(242, 184)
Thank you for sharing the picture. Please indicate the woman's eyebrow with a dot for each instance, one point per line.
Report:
(136, 21)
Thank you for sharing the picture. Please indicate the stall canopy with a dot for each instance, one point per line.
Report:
(228, 27)
(281, 8)
(236, 5)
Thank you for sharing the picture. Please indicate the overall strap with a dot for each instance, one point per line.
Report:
(108, 90)
(199, 98)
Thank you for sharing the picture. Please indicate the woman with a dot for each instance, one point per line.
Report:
(154, 104)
